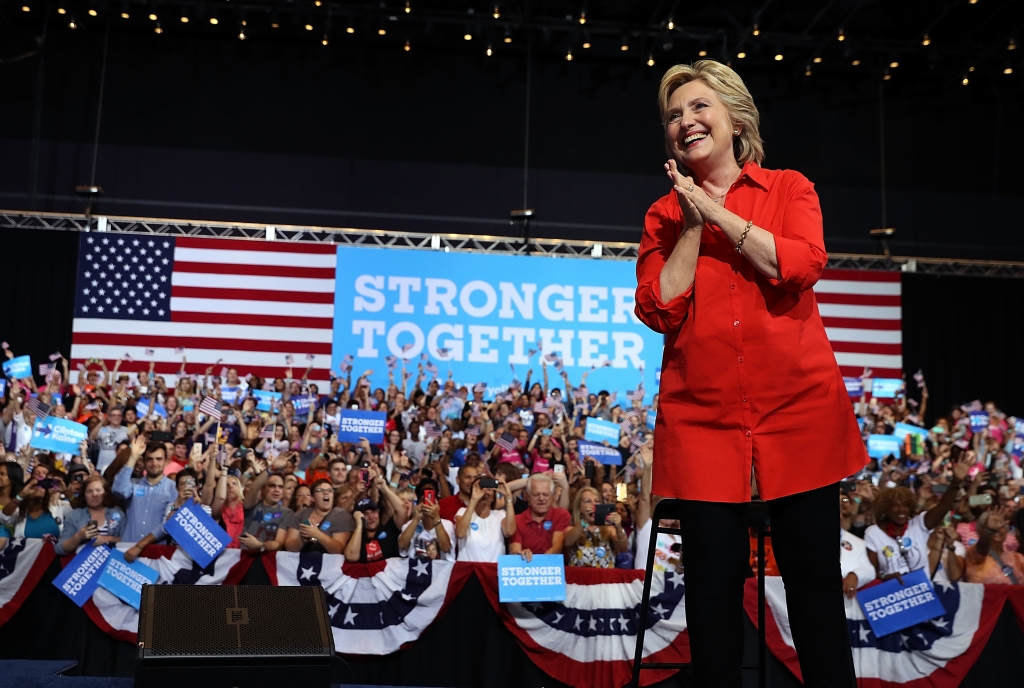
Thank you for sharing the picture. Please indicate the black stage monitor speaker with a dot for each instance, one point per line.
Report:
(213, 636)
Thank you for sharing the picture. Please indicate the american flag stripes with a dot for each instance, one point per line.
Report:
(246, 302)
(862, 313)
(45, 369)
(267, 432)
(506, 441)
(210, 407)
(38, 408)
(432, 429)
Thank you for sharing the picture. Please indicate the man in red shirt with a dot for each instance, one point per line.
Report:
(450, 506)
(541, 528)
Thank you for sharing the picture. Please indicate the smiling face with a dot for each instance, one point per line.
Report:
(698, 129)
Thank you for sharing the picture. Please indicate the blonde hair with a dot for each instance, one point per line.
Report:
(733, 93)
(577, 502)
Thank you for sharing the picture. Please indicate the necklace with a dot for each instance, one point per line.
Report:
(722, 195)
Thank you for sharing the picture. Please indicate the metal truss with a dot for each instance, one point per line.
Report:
(347, 236)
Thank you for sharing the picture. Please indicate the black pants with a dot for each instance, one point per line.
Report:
(716, 553)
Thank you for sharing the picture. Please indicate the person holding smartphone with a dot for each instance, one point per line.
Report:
(37, 510)
(321, 527)
(426, 535)
(98, 521)
(596, 535)
(480, 528)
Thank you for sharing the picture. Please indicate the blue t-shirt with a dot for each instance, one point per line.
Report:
(38, 527)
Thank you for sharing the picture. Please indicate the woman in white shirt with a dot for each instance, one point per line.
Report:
(480, 529)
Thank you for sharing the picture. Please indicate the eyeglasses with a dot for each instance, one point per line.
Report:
(323, 490)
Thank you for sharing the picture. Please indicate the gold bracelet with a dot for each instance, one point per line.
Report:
(743, 237)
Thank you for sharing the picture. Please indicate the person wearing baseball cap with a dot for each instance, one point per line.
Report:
(376, 535)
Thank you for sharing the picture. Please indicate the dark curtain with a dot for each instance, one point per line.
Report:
(38, 284)
(967, 335)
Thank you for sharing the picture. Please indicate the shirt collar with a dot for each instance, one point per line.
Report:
(753, 171)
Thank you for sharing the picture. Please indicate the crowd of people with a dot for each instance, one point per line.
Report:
(464, 473)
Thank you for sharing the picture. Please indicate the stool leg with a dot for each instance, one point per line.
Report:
(645, 601)
(762, 639)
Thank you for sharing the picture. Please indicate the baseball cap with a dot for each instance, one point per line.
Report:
(367, 504)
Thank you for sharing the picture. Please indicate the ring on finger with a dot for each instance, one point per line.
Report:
(690, 188)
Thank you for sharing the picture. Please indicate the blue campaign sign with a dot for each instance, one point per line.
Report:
(18, 368)
(602, 430)
(483, 312)
(355, 424)
(652, 417)
(1018, 447)
(892, 606)
(854, 386)
(903, 429)
(602, 454)
(266, 401)
(302, 405)
(881, 446)
(79, 579)
(126, 580)
(979, 420)
(229, 395)
(3, 387)
(886, 387)
(540, 580)
(1019, 428)
(142, 409)
(58, 435)
(197, 533)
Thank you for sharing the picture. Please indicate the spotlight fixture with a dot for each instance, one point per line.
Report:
(467, 36)
(507, 38)
(61, 10)
(817, 60)
(778, 57)
(214, 21)
(972, 2)
(841, 37)
(568, 55)
(807, 70)
(275, 25)
(496, 13)
(350, 29)
(92, 11)
(1008, 69)
(158, 29)
(318, 3)
(124, 15)
(26, 8)
(855, 63)
(72, 24)
(586, 43)
(926, 40)
(971, 68)
(741, 55)
(965, 81)
(671, 24)
(894, 64)
(152, 17)
(886, 76)
(381, 31)
(583, 17)
(702, 53)
(308, 27)
(757, 30)
(241, 34)
(650, 60)
(408, 9)
(324, 40)
(184, 19)
(625, 44)
(489, 51)
(407, 46)
(1011, 46)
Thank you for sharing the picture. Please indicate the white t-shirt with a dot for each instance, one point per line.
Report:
(664, 558)
(915, 544)
(423, 543)
(853, 558)
(485, 540)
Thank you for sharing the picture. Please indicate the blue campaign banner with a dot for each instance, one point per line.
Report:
(1018, 447)
(1019, 428)
(265, 401)
(125, 580)
(903, 429)
(540, 580)
(652, 418)
(197, 533)
(886, 387)
(79, 579)
(229, 395)
(602, 431)
(142, 409)
(3, 387)
(481, 313)
(302, 405)
(881, 446)
(892, 606)
(18, 368)
(854, 386)
(355, 424)
(58, 435)
(607, 455)
(979, 420)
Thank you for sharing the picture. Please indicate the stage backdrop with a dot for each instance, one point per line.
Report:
(258, 305)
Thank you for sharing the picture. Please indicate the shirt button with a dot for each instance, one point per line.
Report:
(740, 359)
(748, 433)
(732, 286)
(744, 399)
(735, 323)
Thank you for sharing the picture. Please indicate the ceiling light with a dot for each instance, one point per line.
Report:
(408, 9)
(965, 81)
(671, 24)
(703, 53)
(583, 17)
(841, 36)
(275, 25)
(886, 76)
(184, 19)
(381, 31)
(124, 15)
(407, 46)
(971, 68)
(972, 2)
(894, 64)
(507, 39)
(350, 30)
(92, 12)
(741, 55)
(496, 13)
(214, 21)
(926, 40)
(324, 40)
(241, 35)
(757, 30)
(152, 17)
(61, 10)
(586, 45)
(1008, 70)
(778, 57)
(318, 3)
(1012, 45)
(308, 27)
(568, 56)
(650, 61)
(158, 29)
(855, 63)
(72, 24)
(489, 51)
(817, 60)
(26, 8)
(625, 44)
(807, 70)
(467, 36)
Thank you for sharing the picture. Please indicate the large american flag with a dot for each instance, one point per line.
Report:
(862, 313)
(244, 303)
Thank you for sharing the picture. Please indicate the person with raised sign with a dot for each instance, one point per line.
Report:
(752, 396)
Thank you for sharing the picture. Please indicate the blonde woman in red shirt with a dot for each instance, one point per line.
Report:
(751, 394)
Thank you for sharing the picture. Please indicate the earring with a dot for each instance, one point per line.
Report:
(735, 132)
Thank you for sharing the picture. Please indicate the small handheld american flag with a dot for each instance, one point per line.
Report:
(919, 378)
(507, 441)
(45, 369)
(38, 408)
(267, 432)
(210, 407)
(432, 430)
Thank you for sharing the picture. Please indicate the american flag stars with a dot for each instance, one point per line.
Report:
(125, 278)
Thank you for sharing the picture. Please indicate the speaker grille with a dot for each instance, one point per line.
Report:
(225, 620)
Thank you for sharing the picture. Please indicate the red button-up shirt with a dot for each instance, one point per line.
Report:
(748, 377)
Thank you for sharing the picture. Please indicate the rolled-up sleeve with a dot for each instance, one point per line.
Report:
(800, 248)
(656, 245)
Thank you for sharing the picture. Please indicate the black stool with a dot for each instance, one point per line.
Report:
(757, 515)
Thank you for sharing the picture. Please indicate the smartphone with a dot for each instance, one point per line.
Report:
(588, 471)
(601, 513)
(939, 489)
(546, 431)
(429, 495)
(620, 492)
(45, 483)
(848, 486)
(980, 500)
(91, 525)
(364, 476)
(559, 468)
(488, 483)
